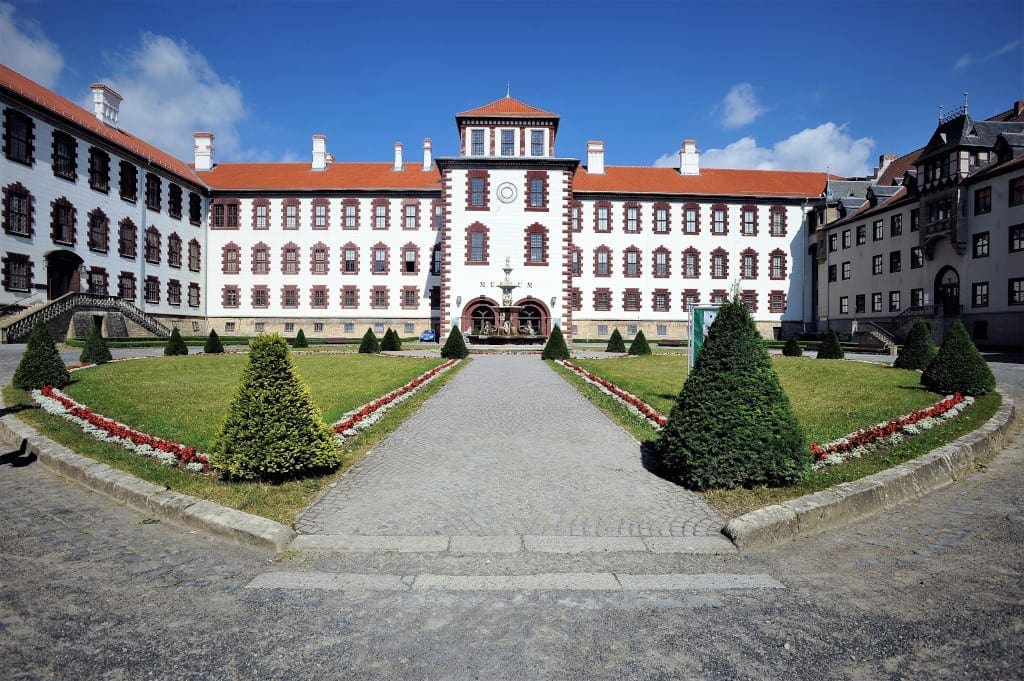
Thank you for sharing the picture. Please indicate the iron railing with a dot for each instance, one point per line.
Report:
(20, 327)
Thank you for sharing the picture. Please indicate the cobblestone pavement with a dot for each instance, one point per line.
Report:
(508, 448)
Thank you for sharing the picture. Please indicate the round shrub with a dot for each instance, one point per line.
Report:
(615, 342)
(95, 349)
(213, 346)
(919, 350)
(958, 367)
(830, 347)
(732, 425)
(41, 364)
(391, 341)
(175, 344)
(300, 340)
(639, 347)
(792, 348)
(455, 345)
(555, 348)
(273, 430)
(370, 344)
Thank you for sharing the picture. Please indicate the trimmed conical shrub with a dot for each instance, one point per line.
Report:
(370, 344)
(213, 345)
(41, 364)
(555, 348)
(455, 346)
(639, 347)
(175, 344)
(273, 430)
(300, 340)
(958, 367)
(615, 342)
(830, 347)
(919, 350)
(391, 341)
(732, 425)
(792, 348)
(95, 349)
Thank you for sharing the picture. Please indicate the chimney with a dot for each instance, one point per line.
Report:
(203, 150)
(883, 162)
(319, 152)
(105, 103)
(689, 158)
(595, 157)
(1018, 108)
(398, 157)
(427, 150)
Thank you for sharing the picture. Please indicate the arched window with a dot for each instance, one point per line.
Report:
(230, 260)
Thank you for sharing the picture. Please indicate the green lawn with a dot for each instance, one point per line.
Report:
(185, 399)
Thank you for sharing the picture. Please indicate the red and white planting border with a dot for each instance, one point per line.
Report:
(365, 416)
(628, 400)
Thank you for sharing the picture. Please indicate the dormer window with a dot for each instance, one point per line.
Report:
(508, 142)
(477, 142)
(536, 143)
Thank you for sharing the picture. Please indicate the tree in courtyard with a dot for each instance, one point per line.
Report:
(370, 344)
(792, 348)
(273, 430)
(639, 347)
(95, 350)
(455, 345)
(615, 342)
(830, 347)
(300, 340)
(213, 345)
(391, 340)
(958, 367)
(41, 364)
(555, 348)
(175, 344)
(732, 425)
(919, 350)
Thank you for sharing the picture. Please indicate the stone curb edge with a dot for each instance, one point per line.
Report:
(850, 501)
(158, 501)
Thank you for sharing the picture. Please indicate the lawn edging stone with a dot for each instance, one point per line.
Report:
(182, 509)
(839, 505)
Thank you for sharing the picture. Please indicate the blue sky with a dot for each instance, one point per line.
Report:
(795, 85)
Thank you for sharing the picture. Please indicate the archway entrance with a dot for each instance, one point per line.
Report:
(62, 275)
(534, 316)
(947, 291)
(479, 316)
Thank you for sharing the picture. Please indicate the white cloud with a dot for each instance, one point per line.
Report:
(24, 48)
(963, 62)
(170, 92)
(1006, 49)
(828, 145)
(967, 60)
(740, 106)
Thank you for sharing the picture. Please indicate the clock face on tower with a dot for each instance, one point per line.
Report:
(506, 192)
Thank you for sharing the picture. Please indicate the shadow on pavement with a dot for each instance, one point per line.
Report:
(17, 458)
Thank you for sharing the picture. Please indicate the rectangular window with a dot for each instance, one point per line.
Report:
(876, 302)
(379, 298)
(99, 170)
(380, 260)
(660, 220)
(262, 217)
(894, 261)
(380, 216)
(18, 212)
(833, 243)
(1017, 191)
(193, 295)
(319, 261)
(576, 219)
(916, 297)
(575, 264)
(508, 142)
(660, 301)
(718, 221)
(320, 216)
(409, 260)
(536, 143)
(832, 273)
(174, 201)
(410, 298)
(291, 261)
(778, 222)
(632, 219)
(17, 272)
(661, 264)
(319, 299)
(411, 215)
(536, 247)
(291, 216)
(65, 156)
(691, 220)
(435, 261)
(153, 201)
(844, 304)
(476, 246)
(349, 298)
(152, 292)
(536, 192)
(1015, 291)
(350, 216)
(129, 182)
(602, 219)
(916, 257)
(260, 261)
(602, 299)
(894, 301)
(195, 209)
(877, 231)
(876, 264)
(846, 270)
(229, 327)
(979, 294)
(915, 219)
(1016, 238)
(749, 221)
(476, 142)
(290, 297)
(602, 263)
(862, 234)
(979, 244)
(126, 286)
(847, 236)
(983, 200)
(632, 264)
(477, 189)
(18, 136)
(174, 292)
(260, 297)
(858, 304)
(896, 225)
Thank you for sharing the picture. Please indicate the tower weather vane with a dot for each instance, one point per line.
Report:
(508, 90)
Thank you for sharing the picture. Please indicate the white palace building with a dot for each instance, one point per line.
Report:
(100, 227)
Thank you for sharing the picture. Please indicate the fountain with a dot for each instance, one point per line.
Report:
(506, 332)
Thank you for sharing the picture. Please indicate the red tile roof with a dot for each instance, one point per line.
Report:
(36, 93)
(711, 181)
(506, 106)
(298, 176)
(898, 168)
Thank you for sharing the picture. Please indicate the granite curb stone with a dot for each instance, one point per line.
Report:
(851, 501)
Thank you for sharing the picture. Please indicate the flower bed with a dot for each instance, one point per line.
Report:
(862, 441)
(630, 401)
(102, 428)
(365, 416)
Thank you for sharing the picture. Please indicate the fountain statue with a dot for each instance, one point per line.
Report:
(505, 329)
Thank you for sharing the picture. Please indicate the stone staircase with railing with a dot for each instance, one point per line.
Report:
(57, 315)
(887, 340)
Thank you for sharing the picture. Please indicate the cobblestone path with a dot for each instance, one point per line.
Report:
(508, 448)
